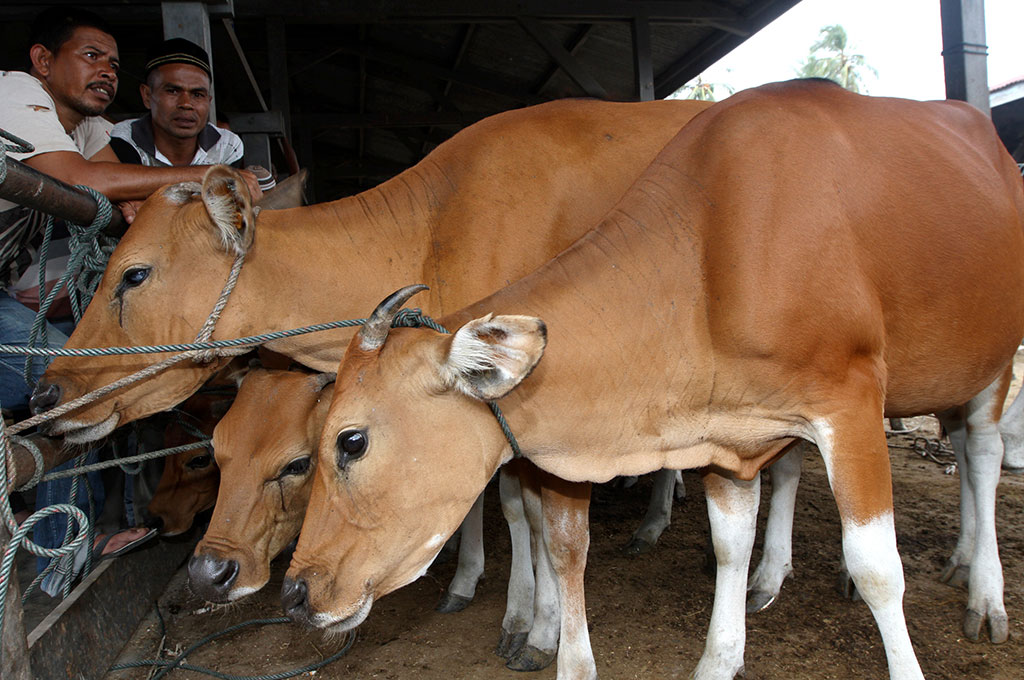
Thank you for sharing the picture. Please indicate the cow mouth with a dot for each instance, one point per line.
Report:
(78, 433)
(332, 624)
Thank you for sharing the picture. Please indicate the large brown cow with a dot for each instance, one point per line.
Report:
(483, 209)
(797, 263)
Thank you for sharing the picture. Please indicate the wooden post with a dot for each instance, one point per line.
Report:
(16, 664)
(642, 58)
(964, 52)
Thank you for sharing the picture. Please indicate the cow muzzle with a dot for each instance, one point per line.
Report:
(44, 398)
(212, 577)
(295, 601)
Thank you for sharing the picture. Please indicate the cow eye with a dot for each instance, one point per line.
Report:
(134, 276)
(351, 446)
(299, 466)
(199, 462)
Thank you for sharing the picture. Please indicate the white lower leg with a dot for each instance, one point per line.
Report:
(732, 509)
(519, 605)
(471, 552)
(874, 564)
(659, 509)
(777, 559)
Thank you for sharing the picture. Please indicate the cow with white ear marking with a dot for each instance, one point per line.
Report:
(680, 334)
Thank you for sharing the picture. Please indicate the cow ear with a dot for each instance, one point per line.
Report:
(489, 356)
(227, 200)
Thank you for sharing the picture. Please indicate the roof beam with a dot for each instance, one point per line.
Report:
(390, 120)
(486, 82)
(565, 60)
(711, 50)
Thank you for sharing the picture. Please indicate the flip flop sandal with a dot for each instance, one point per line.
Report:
(97, 552)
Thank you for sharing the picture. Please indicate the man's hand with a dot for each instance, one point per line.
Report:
(254, 186)
(129, 209)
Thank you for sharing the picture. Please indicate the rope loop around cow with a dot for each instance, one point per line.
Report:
(414, 318)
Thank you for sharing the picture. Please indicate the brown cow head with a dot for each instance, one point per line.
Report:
(188, 484)
(264, 448)
(408, 445)
(185, 237)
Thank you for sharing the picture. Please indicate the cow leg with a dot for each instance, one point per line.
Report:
(659, 513)
(471, 561)
(518, 620)
(957, 571)
(856, 457)
(567, 538)
(732, 510)
(777, 559)
(1011, 427)
(984, 454)
(542, 642)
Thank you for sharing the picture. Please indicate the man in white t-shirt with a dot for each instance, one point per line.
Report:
(56, 107)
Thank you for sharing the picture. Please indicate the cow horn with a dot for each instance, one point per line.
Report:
(375, 330)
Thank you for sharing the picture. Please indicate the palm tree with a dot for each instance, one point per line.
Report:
(699, 90)
(829, 58)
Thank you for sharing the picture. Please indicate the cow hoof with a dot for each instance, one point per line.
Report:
(847, 588)
(759, 600)
(451, 603)
(531, 659)
(638, 546)
(510, 643)
(955, 574)
(998, 626)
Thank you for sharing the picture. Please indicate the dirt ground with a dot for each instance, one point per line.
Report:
(648, 615)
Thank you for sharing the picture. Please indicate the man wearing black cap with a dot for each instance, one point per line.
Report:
(176, 131)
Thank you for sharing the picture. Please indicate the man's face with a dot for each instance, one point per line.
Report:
(82, 75)
(178, 99)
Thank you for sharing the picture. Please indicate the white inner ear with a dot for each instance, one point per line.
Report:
(224, 211)
(183, 192)
(470, 355)
(468, 352)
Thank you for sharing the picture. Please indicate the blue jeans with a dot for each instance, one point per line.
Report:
(15, 326)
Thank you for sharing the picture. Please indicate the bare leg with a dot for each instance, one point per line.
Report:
(659, 513)
(777, 559)
(567, 538)
(856, 456)
(732, 509)
(984, 454)
(471, 561)
(1011, 427)
(542, 642)
(518, 618)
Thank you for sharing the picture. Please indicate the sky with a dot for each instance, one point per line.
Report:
(901, 39)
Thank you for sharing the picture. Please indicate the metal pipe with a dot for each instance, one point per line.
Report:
(54, 453)
(28, 187)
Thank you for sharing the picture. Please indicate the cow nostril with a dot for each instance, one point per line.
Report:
(294, 598)
(212, 577)
(227, 574)
(45, 396)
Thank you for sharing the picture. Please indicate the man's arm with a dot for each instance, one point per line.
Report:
(119, 181)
